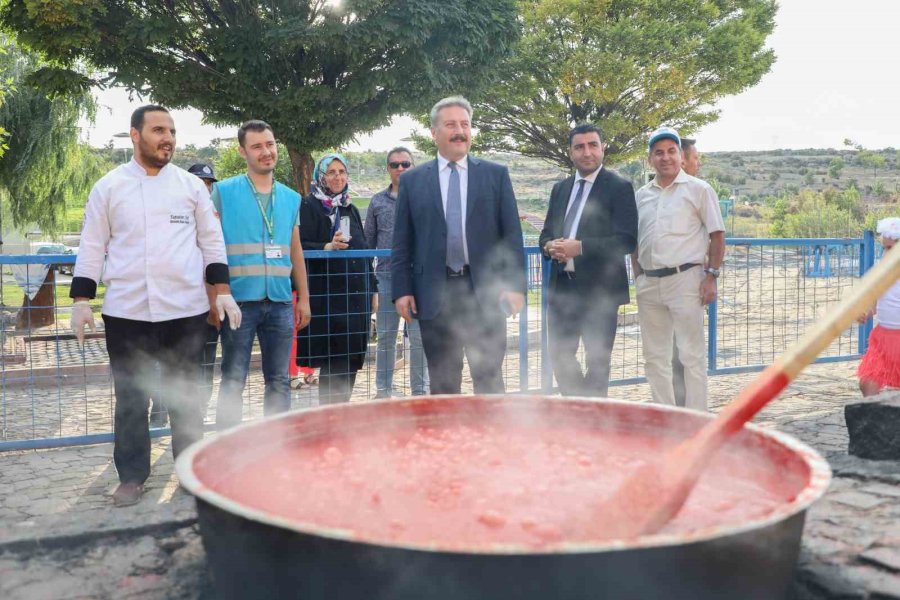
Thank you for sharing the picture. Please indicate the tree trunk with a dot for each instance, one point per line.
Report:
(302, 167)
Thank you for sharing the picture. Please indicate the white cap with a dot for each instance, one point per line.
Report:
(889, 228)
(663, 133)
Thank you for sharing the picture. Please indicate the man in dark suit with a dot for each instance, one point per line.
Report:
(458, 264)
(591, 225)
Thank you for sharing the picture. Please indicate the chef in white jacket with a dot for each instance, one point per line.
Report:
(154, 227)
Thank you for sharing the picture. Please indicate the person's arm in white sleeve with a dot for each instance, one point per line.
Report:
(95, 234)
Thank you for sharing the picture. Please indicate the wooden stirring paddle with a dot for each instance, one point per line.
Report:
(653, 495)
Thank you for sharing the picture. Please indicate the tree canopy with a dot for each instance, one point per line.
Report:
(319, 72)
(45, 165)
(627, 65)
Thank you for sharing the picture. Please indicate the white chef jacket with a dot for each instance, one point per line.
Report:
(151, 238)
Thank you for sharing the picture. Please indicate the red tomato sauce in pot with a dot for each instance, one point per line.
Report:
(459, 485)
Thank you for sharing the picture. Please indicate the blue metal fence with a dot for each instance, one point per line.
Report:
(55, 393)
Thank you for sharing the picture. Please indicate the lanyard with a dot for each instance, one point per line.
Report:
(270, 223)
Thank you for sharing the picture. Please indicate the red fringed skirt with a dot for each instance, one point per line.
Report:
(881, 362)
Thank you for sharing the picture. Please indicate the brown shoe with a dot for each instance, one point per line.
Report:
(127, 494)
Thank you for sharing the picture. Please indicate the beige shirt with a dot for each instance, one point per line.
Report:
(674, 222)
(151, 238)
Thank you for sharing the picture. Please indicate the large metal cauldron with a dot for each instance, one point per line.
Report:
(257, 555)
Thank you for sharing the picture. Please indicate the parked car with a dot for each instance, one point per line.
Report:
(54, 248)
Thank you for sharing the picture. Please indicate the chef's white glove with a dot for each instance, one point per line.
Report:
(81, 316)
(225, 305)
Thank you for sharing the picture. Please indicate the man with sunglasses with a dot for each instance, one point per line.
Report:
(379, 230)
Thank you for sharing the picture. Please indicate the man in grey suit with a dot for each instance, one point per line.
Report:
(458, 264)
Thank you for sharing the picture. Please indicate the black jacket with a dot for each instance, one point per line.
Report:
(608, 231)
(340, 292)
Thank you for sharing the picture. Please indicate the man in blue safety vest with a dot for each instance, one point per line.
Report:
(260, 219)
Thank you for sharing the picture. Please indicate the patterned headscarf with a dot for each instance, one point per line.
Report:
(330, 199)
(889, 228)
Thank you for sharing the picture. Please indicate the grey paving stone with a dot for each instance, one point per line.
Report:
(880, 489)
(858, 500)
(888, 557)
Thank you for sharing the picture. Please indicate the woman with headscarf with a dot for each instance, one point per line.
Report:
(341, 290)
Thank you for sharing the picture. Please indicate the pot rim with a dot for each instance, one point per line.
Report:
(819, 479)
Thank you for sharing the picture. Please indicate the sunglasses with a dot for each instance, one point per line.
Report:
(396, 165)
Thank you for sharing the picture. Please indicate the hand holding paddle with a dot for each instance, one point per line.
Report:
(653, 495)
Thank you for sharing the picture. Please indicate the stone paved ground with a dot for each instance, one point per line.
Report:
(59, 537)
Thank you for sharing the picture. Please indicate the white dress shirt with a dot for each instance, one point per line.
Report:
(588, 185)
(151, 238)
(462, 166)
(674, 222)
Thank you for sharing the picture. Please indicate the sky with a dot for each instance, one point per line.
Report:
(835, 77)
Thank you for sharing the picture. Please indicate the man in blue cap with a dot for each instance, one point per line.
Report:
(205, 173)
(679, 227)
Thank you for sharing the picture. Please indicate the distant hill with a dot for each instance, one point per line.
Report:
(749, 176)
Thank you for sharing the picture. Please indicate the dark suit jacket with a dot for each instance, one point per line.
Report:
(493, 237)
(608, 231)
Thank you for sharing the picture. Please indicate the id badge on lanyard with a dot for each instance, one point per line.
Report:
(273, 251)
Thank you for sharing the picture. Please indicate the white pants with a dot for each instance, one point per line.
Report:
(670, 306)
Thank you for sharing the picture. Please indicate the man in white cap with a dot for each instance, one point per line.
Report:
(679, 225)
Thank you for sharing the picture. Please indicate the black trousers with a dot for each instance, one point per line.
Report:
(159, 414)
(208, 362)
(336, 379)
(134, 347)
(464, 327)
(574, 315)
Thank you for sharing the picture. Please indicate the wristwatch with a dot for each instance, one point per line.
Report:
(711, 271)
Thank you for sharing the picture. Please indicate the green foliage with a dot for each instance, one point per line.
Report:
(878, 213)
(779, 214)
(835, 167)
(319, 74)
(872, 160)
(808, 213)
(46, 167)
(627, 65)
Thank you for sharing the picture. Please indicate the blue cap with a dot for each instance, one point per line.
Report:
(663, 133)
(203, 171)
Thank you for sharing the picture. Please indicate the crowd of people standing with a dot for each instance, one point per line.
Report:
(187, 260)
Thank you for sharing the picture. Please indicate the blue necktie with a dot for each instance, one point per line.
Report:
(456, 257)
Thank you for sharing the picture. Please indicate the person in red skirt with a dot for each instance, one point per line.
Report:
(880, 366)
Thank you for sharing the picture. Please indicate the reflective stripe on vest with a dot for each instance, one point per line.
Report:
(253, 276)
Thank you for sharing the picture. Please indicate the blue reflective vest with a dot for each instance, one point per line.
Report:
(253, 276)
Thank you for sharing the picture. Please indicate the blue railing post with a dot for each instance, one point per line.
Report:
(866, 261)
(546, 367)
(712, 337)
(523, 332)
